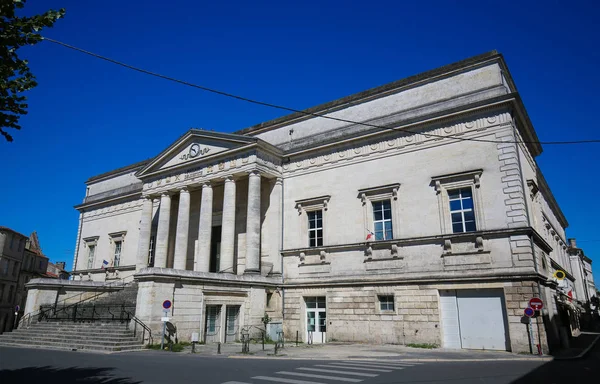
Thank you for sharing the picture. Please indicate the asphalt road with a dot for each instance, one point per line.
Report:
(45, 366)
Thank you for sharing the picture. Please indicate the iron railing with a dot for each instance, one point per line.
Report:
(89, 312)
(101, 290)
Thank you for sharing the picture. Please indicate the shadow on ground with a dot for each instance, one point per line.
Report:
(582, 370)
(62, 375)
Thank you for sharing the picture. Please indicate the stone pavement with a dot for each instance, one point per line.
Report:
(348, 351)
(579, 346)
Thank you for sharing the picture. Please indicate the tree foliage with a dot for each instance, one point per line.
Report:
(15, 77)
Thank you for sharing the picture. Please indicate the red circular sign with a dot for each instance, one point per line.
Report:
(536, 303)
(166, 304)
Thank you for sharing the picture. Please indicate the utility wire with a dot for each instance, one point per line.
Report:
(306, 113)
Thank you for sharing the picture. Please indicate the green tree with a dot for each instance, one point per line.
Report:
(15, 77)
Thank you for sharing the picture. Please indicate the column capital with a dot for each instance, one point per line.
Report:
(254, 173)
(229, 179)
(278, 181)
(166, 194)
(206, 184)
(184, 189)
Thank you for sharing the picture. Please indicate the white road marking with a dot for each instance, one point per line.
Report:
(354, 368)
(338, 372)
(347, 379)
(234, 382)
(282, 380)
(370, 366)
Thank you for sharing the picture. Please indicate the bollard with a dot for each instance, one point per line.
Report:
(263, 340)
(218, 348)
(276, 347)
(193, 347)
(296, 338)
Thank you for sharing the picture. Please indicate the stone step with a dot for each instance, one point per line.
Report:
(71, 325)
(74, 346)
(43, 338)
(67, 342)
(71, 333)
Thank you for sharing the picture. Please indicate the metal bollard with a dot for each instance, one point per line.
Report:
(218, 348)
(296, 338)
(193, 347)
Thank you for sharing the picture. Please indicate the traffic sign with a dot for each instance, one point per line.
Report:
(536, 303)
(559, 275)
(17, 308)
(529, 312)
(167, 304)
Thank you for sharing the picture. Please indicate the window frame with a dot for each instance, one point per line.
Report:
(368, 196)
(462, 210)
(114, 239)
(445, 183)
(316, 228)
(383, 220)
(387, 302)
(91, 243)
(304, 206)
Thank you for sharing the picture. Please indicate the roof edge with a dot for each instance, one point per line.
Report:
(552, 203)
(325, 107)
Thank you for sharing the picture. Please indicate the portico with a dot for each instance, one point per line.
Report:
(206, 212)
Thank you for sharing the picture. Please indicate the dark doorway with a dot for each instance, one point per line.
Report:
(215, 249)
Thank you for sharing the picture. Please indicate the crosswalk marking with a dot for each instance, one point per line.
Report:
(354, 368)
(338, 372)
(390, 362)
(282, 380)
(371, 366)
(347, 379)
(234, 382)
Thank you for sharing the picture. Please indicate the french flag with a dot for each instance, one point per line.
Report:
(370, 236)
(104, 264)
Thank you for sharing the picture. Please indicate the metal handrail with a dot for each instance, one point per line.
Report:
(144, 327)
(26, 319)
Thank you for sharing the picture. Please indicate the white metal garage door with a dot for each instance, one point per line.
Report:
(473, 319)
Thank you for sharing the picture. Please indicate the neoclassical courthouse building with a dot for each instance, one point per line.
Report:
(414, 212)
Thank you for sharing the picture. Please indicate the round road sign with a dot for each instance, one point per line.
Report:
(529, 312)
(560, 275)
(17, 308)
(536, 303)
(167, 304)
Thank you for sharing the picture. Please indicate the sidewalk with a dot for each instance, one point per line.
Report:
(348, 351)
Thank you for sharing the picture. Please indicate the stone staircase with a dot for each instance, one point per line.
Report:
(108, 337)
(97, 335)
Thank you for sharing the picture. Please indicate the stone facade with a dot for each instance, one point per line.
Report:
(341, 229)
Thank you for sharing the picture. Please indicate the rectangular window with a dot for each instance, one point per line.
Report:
(4, 266)
(91, 251)
(117, 258)
(15, 269)
(461, 210)
(315, 228)
(151, 252)
(382, 220)
(316, 302)
(12, 240)
(386, 303)
(2, 292)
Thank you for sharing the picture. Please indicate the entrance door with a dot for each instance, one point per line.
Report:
(213, 321)
(316, 320)
(215, 249)
(232, 323)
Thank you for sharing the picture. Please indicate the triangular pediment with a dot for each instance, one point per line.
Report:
(193, 148)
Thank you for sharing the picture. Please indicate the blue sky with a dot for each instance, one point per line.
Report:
(88, 116)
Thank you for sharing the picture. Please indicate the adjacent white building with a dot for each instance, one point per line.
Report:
(415, 212)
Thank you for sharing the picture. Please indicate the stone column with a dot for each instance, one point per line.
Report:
(275, 226)
(228, 226)
(253, 225)
(183, 226)
(205, 228)
(162, 232)
(145, 232)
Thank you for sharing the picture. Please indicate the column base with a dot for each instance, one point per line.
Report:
(251, 272)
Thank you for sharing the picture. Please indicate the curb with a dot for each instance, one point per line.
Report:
(582, 354)
(396, 360)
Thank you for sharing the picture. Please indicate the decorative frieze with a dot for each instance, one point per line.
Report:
(401, 143)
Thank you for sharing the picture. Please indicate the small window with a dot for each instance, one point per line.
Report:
(4, 266)
(382, 220)
(15, 269)
(315, 228)
(461, 210)
(386, 303)
(316, 302)
(10, 294)
(117, 259)
(12, 240)
(91, 251)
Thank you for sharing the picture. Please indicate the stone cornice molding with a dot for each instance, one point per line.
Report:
(168, 274)
(316, 202)
(394, 142)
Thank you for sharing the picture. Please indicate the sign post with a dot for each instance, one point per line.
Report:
(17, 309)
(535, 304)
(166, 305)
